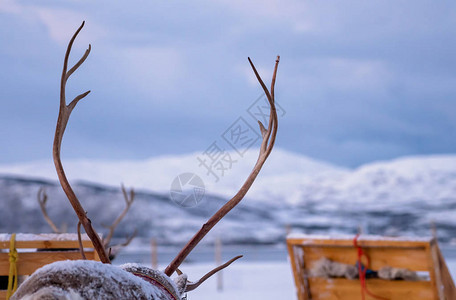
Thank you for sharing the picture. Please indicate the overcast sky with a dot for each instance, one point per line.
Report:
(358, 80)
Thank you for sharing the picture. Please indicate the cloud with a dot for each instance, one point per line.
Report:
(153, 70)
(62, 22)
(342, 74)
(249, 75)
(352, 74)
(10, 6)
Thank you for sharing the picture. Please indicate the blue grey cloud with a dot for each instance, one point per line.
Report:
(359, 81)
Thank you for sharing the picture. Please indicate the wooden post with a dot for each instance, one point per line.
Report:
(154, 252)
(287, 229)
(218, 262)
(433, 230)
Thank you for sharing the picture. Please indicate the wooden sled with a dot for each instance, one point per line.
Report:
(53, 247)
(422, 255)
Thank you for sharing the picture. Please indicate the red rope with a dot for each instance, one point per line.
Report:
(155, 283)
(362, 273)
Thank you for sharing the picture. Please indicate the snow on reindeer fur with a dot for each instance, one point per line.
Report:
(84, 279)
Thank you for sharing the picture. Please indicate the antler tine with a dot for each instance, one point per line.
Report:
(192, 286)
(114, 250)
(81, 247)
(129, 198)
(64, 115)
(129, 239)
(65, 75)
(273, 114)
(79, 63)
(265, 149)
(42, 200)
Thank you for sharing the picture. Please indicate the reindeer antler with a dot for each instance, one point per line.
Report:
(42, 198)
(129, 198)
(191, 286)
(267, 144)
(64, 115)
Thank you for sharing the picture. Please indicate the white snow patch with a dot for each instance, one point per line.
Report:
(5, 237)
(362, 237)
(157, 173)
(110, 273)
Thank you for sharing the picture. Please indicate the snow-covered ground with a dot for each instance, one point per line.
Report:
(252, 280)
(264, 273)
(265, 280)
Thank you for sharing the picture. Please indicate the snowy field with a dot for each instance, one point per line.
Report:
(259, 280)
(263, 272)
(253, 281)
(268, 280)
(264, 275)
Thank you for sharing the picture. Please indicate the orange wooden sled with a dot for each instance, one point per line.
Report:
(52, 248)
(422, 255)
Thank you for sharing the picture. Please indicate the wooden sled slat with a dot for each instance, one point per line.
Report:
(52, 248)
(45, 241)
(337, 289)
(412, 258)
(414, 254)
(31, 261)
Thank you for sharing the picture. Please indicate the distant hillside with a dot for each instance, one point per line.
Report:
(154, 215)
(398, 197)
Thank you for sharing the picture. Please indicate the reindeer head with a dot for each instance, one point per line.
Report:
(82, 277)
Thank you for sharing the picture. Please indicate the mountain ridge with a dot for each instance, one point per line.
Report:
(395, 197)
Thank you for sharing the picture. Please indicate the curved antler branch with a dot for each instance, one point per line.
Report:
(129, 198)
(115, 249)
(42, 198)
(273, 116)
(267, 144)
(191, 286)
(79, 63)
(81, 247)
(64, 115)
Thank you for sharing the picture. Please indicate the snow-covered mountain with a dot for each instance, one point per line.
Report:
(156, 174)
(398, 197)
(152, 214)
